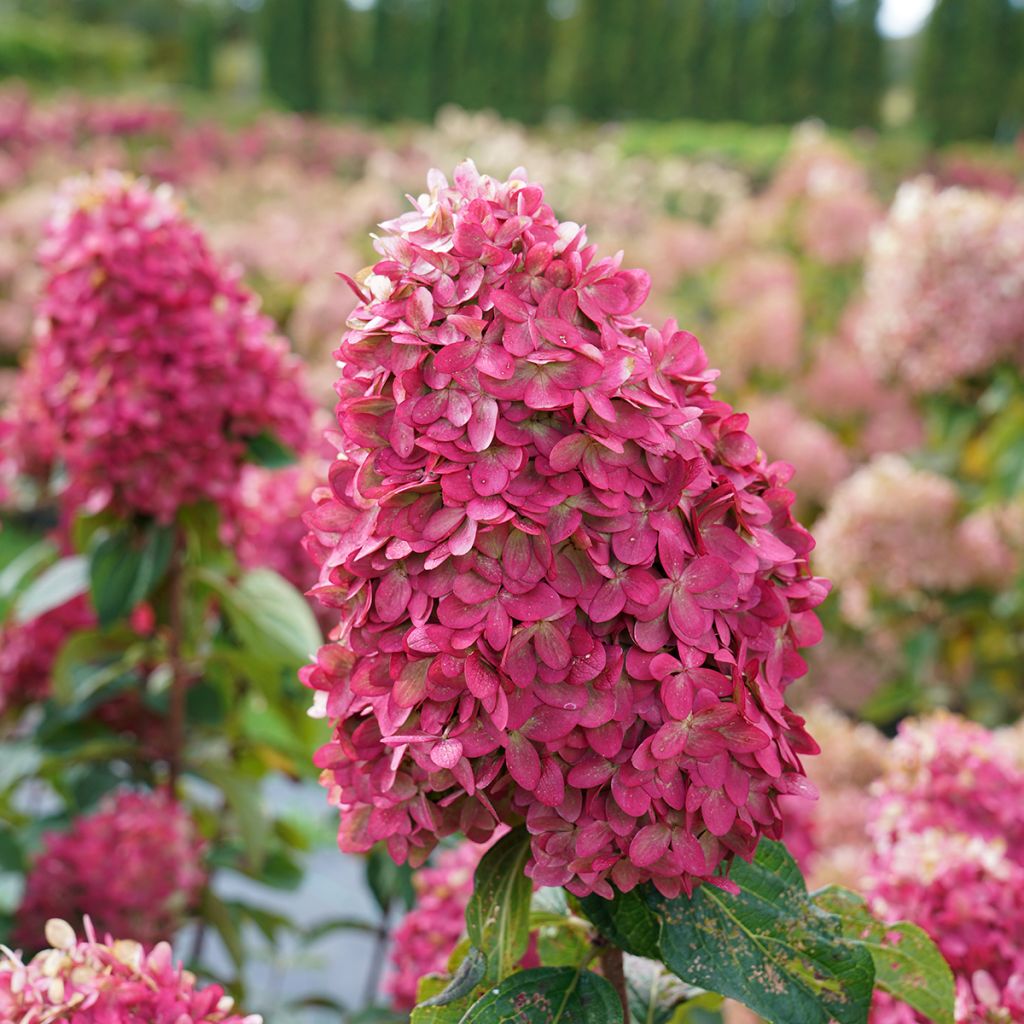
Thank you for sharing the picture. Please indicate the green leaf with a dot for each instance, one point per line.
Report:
(124, 567)
(269, 616)
(55, 586)
(338, 924)
(266, 450)
(89, 661)
(548, 995)
(215, 911)
(908, 965)
(21, 759)
(18, 571)
(769, 947)
(627, 921)
(498, 915)
(430, 986)
(655, 995)
(243, 798)
(390, 883)
(561, 945)
(469, 974)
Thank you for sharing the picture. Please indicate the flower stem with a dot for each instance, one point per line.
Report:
(179, 678)
(612, 969)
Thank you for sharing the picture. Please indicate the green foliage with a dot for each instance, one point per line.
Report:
(907, 963)
(969, 62)
(56, 585)
(270, 617)
(125, 565)
(498, 915)
(785, 954)
(770, 946)
(548, 995)
(59, 52)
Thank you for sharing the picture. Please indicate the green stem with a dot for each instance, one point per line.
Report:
(615, 974)
(179, 675)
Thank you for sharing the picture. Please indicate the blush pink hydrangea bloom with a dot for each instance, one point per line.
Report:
(135, 867)
(111, 982)
(570, 588)
(891, 531)
(153, 365)
(944, 286)
(28, 651)
(948, 832)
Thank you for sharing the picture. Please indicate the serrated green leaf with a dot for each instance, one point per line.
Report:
(125, 566)
(548, 995)
(269, 616)
(55, 586)
(390, 883)
(627, 921)
(432, 985)
(470, 973)
(219, 914)
(769, 947)
(908, 965)
(498, 915)
(655, 994)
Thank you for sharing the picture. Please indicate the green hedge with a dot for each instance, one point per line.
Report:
(53, 52)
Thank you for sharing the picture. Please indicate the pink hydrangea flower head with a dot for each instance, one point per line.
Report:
(28, 651)
(153, 365)
(944, 286)
(946, 772)
(570, 588)
(947, 826)
(134, 867)
(890, 531)
(111, 982)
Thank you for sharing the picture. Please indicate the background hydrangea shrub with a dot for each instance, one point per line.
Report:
(153, 367)
(134, 867)
(88, 981)
(569, 586)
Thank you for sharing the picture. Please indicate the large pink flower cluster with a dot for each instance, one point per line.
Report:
(428, 933)
(944, 285)
(134, 867)
(153, 366)
(948, 830)
(111, 982)
(28, 651)
(894, 531)
(570, 587)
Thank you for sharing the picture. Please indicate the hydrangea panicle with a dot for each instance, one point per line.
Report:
(570, 589)
(948, 833)
(86, 981)
(152, 364)
(134, 867)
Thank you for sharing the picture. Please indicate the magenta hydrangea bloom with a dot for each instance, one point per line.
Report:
(28, 651)
(948, 830)
(153, 366)
(135, 867)
(112, 982)
(570, 588)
